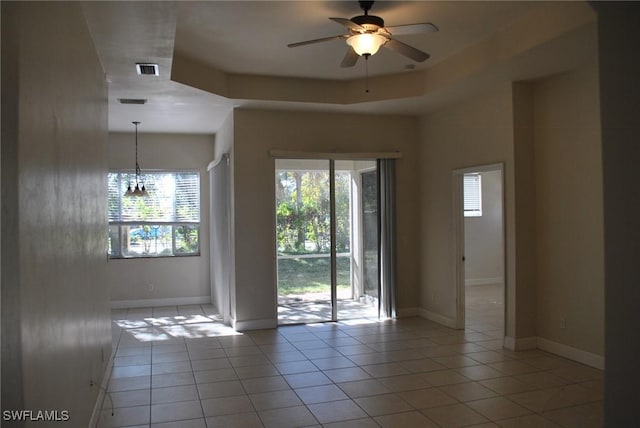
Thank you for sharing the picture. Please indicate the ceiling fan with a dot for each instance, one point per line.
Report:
(367, 34)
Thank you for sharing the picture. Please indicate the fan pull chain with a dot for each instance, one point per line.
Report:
(366, 72)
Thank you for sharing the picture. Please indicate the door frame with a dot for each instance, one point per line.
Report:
(458, 238)
(333, 229)
(354, 217)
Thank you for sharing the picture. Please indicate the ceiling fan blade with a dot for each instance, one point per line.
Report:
(424, 27)
(309, 42)
(348, 23)
(350, 58)
(406, 50)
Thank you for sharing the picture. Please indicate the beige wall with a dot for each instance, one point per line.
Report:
(175, 279)
(56, 322)
(220, 180)
(256, 132)
(521, 232)
(548, 135)
(569, 210)
(478, 131)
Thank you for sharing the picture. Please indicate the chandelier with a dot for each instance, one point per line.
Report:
(139, 190)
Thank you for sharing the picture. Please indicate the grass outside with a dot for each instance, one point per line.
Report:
(311, 275)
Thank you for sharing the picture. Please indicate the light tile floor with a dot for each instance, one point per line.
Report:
(180, 367)
(484, 306)
(291, 311)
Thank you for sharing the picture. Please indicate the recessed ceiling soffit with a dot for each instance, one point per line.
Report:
(524, 35)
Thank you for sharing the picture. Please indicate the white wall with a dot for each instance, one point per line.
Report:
(175, 280)
(56, 333)
(483, 236)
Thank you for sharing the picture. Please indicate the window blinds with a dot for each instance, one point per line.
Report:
(472, 195)
(173, 197)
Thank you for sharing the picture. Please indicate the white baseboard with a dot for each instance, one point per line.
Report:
(172, 301)
(97, 408)
(406, 312)
(584, 357)
(520, 343)
(483, 281)
(262, 324)
(440, 319)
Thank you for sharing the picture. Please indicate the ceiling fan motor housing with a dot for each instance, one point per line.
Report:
(363, 20)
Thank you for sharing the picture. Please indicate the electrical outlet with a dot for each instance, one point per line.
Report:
(563, 322)
(151, 287)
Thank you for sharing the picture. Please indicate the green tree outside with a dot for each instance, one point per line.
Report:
(303, 216)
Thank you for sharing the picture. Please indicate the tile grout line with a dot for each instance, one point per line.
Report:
(352, 399)
(115, 353)
(306, 406)
(280, 374)
(151, 377)
(117, 348)
(333, 383)
(193, 374)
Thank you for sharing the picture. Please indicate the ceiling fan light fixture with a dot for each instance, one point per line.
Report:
(366, 43)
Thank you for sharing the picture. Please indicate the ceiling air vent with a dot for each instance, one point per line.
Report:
(147, 69)
(132, 100)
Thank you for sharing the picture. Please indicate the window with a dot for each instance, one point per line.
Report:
(165, 223)
(472, 195)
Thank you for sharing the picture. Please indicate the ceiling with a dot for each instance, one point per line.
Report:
(479, 43)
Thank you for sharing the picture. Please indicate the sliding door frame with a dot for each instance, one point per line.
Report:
(389, 303)
(333, 235)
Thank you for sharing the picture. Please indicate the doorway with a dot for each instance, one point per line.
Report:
(481, 249)
(324, 217)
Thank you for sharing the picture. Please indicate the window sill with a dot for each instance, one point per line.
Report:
(173, 256)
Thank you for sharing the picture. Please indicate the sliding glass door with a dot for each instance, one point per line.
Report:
(326, 239)
(303, 240)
